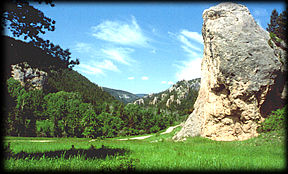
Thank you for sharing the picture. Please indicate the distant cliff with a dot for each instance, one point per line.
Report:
(179, 97)
(123, 96)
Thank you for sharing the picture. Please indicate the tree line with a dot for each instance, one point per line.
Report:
(65, 114)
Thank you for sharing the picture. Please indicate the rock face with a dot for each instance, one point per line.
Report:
(177, 94)
(30, 78)
(239, 70)
(139, 102)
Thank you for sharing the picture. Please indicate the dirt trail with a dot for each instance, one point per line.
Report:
(170, 129)
(34, 141)
(135, 138)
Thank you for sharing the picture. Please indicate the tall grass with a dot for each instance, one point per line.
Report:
(159, 152)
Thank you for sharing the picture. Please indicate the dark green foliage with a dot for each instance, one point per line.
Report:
(17, 51)
(72, 81)
(275, 122)
(28, 107)
(60, 78)
(139, 120)
(278, 27)
(14, 88)
(66, 114)
(23, 19)
(110, 125)
(281, 31)
(44, 128)
(62, 108)
(69, 105)
(273, 21)
(90, 124)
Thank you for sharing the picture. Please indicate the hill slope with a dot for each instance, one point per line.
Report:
(59, 78)
(123, 96)
(179, 97)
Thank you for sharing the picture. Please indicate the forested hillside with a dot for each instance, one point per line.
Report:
(69, 104)
(59, 77)
(123, 96)
(178, 98)
(46, 97)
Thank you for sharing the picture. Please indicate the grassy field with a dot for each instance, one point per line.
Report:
(159, 152)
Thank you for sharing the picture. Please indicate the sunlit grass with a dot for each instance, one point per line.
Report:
(159, 152)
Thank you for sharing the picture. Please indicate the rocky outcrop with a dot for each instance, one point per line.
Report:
(170, 101)
(239, 71)
(30, 78)
(180, 93)
(154, 101)
(139, 102)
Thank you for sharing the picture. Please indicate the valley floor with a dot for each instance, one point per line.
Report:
(157, 152)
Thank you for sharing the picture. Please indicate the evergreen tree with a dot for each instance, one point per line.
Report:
(281, 31)
(278, 27)
(273, 22)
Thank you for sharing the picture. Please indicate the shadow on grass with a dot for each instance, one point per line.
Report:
(90, 153)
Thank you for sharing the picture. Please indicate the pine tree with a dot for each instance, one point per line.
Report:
(282, 24)
(273, 21)
(277, 27)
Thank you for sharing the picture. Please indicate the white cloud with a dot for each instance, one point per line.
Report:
(82, 47)
(121, 33)
(163, 82)
(187, 43)
(189, 69)
(170, 83)
(144, 78)
(193, 35)
(131, 78)
(88, 69)
(121, 55)
(190, 52)
(97, 68)
(106, 64)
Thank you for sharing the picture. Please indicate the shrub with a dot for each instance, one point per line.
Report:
(275, 121)
(44, 128)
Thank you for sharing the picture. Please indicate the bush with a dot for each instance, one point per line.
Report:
(275, 121)
(44, 128)
(154, 129)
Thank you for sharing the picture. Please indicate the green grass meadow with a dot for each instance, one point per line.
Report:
(157, 153)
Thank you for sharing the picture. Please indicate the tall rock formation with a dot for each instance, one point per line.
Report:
(239, 70)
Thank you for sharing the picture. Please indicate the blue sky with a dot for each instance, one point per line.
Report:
(140, 47)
